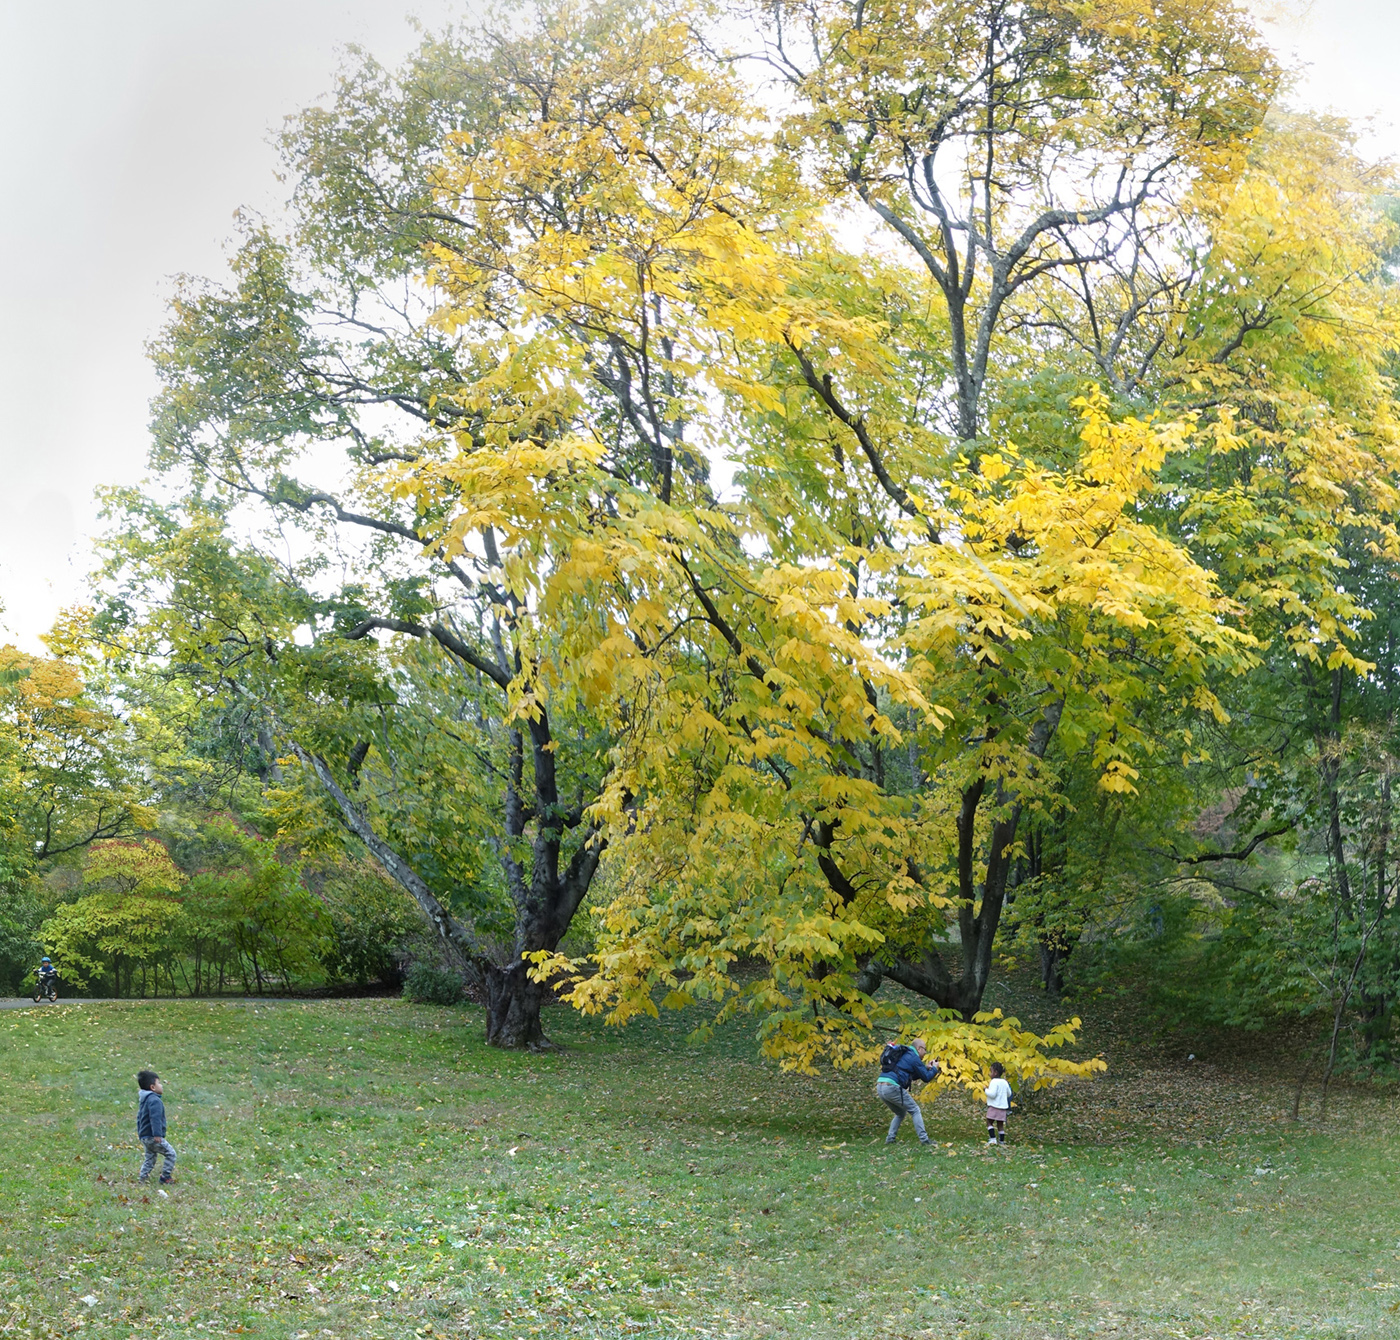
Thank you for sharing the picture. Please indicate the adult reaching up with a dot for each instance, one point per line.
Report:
(900, 1066)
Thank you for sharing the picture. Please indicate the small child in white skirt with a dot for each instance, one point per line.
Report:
(999, 1097)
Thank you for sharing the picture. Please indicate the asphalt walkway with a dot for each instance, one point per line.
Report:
(27, 1002)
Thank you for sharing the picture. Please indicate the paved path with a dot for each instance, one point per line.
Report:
(27, 1002)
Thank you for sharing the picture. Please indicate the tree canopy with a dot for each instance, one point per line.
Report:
(837, 489)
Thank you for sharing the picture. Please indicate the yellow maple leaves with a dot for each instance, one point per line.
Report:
(69, 755)
(727, 477)
(650, 287)
(1291, 336)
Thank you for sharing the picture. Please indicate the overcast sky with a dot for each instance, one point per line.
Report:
(130, 133)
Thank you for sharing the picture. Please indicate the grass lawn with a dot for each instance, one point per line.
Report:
(369, 1168)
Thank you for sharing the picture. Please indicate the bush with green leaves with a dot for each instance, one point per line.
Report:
(429, 985)
(128, 924)
(373, 926)
(20, 915)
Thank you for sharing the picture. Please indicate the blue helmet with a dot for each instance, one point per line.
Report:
(45, 959)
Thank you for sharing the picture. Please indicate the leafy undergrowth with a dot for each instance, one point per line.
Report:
(369, 1168)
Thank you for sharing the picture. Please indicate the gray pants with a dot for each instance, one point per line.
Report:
(901, 1103)
(160, 1145)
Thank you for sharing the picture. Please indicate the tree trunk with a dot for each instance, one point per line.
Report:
(513, 1004)
(1052, 956)
(1377, 1012)
(1302, 1080)
(979, 912)
(270, 768)
(544, 907)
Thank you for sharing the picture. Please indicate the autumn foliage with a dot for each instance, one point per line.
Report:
(819, 491)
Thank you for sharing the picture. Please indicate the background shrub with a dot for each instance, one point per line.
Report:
(374, 926)
(429, 985)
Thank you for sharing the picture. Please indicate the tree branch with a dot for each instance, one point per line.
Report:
(440, 634)
(1239, 855)
(458, 938)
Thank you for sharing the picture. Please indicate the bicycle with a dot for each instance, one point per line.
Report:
(47, 989)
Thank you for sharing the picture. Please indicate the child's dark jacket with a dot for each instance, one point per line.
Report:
(150, 1117)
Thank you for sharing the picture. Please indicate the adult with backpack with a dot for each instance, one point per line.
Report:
(900, 1066)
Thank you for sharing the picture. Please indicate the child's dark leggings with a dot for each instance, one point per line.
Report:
(996, 1131)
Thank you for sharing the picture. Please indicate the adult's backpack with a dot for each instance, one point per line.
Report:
(889, 1059)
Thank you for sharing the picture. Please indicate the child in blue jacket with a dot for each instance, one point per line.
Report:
(150, 1127)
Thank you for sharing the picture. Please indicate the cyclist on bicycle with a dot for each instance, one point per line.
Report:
(48, 974)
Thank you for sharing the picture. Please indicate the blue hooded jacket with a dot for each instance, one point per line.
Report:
(909, 1068)
(150, 1116)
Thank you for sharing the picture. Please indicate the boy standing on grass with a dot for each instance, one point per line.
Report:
(150, 1127)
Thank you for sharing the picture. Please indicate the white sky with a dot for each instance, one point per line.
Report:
(130, 133)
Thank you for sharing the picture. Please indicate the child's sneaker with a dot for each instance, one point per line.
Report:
(166, 1181)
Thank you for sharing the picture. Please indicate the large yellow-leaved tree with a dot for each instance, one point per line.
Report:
(759, 492)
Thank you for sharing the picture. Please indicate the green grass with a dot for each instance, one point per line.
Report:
(369, 1168)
